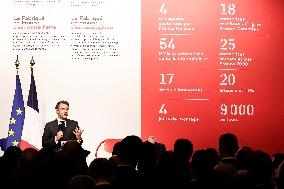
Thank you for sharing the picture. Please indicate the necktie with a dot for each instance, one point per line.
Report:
(61, 125)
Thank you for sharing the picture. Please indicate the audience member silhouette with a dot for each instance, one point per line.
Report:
(10, 164)
(202, 169)
(228, 146)
(280, 176)
(183, 149)
(242, 157)
(102, 171)
(56, 171)
(213, 156)
(277, 159)
(126, 173)
(225, 175)
(29, 164)
(73, 151)
(147, 167)
(261, 170)
(167, 170)
(115, 152)
(160, 148)
(81, 182)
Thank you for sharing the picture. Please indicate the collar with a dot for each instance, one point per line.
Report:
(59, 121)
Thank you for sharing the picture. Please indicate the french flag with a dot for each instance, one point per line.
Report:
(31, 135)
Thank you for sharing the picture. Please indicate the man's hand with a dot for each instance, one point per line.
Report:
(78, 132)
(59, 135)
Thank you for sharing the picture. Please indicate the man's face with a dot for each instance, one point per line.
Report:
(62, 111)
(152, 139)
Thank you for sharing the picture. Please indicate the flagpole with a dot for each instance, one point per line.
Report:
(17, 63)
(32, 63)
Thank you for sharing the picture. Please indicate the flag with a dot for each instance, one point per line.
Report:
(31, 136)
(17, 117)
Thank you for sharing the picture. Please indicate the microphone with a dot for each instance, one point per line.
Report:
(61, 125)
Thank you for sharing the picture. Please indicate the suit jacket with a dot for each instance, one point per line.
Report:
(51, 129)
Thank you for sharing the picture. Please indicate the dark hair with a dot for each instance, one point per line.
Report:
(183, 148)
(228, 142)
(182, 144)
(61, 102)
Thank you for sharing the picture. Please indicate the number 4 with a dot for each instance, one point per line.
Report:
(163, 9)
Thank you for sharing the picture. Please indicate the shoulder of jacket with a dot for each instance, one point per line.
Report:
(51, 122)
(71, 121)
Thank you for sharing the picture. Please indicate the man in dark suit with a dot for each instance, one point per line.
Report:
(61, 129)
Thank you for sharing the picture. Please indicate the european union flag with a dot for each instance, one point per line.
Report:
(17, 117)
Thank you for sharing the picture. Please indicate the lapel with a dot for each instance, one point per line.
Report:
(55, 124)
(67, 123)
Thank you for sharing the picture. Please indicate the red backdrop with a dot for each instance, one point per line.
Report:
(193, 51)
